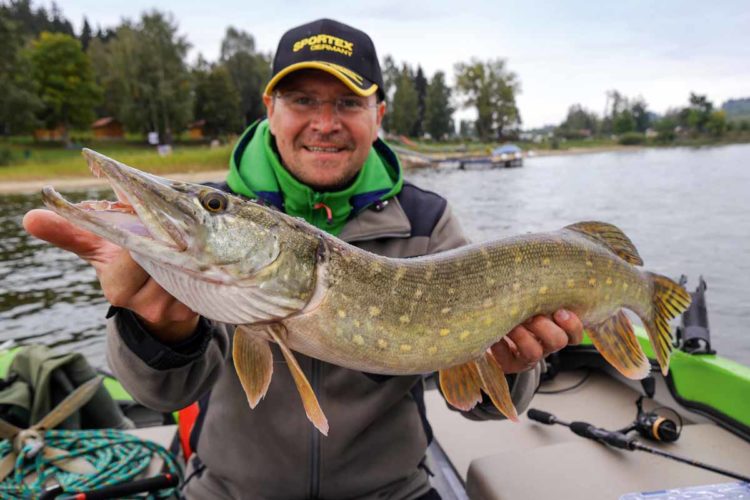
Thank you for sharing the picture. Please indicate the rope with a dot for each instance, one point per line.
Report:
(118, 457)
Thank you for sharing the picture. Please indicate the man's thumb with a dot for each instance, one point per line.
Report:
(49, 226)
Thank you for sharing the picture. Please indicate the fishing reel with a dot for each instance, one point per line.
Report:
(654, 425)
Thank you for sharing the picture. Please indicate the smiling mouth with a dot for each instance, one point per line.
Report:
(320, 149)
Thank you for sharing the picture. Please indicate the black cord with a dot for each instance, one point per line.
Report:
(566, 389)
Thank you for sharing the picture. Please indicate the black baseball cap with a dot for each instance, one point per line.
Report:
(327, 45)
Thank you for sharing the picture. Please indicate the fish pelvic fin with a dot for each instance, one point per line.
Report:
(253, 361)
(309, 400)
(668, 300)
(615, 340)
(612, 237)
(495, 384)
(461, 386)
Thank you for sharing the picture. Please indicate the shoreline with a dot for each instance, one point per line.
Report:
(78, 183)
(84, 182)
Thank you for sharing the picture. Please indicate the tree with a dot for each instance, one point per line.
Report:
(578, 123)
(438, 112)
(623, 122)
(65, 81)
(491, 89)
(420, 85)
(31, 23)
(249, 71)
(641, 115)
(145, 77)
(698, 113)
(405, 104)
(86, 34)
(18, 102)
(217, 101)
(391, 75)
(717, 123)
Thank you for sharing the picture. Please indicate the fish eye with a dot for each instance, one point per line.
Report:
(214, 202)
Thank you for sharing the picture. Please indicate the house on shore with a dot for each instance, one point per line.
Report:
(108, 128)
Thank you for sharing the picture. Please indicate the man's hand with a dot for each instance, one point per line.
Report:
(534, 339)
(124, 283)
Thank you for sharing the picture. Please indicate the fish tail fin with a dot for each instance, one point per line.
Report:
(668, 300)
(615, 340)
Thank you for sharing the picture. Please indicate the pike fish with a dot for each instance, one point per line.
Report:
(282, 280)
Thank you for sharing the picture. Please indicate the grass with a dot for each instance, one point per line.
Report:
(39, 161)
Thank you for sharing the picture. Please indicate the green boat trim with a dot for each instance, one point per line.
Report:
(706, 383)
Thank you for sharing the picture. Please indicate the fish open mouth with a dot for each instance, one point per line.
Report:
(150, 212)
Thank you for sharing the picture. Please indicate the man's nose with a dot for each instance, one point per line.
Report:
(326, 118)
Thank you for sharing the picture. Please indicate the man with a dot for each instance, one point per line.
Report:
(317, 156)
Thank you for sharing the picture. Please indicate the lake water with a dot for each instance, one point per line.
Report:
(686, 210)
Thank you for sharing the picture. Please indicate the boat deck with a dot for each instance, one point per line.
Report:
(529, 460)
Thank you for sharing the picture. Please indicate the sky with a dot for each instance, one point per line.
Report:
(564, 52)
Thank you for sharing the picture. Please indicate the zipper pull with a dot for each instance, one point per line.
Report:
(329, 213)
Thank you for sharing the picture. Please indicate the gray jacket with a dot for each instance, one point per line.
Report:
(378, 431)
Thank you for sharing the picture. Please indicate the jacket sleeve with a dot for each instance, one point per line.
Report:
(447, 235)
(161, 376)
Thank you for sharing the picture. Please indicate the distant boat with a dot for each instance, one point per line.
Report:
(508, 154)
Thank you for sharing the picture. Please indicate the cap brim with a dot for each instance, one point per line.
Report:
(357, 83)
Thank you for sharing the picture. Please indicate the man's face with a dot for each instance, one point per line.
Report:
(322, 148)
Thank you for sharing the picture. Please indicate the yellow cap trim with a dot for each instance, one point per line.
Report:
(344, 74)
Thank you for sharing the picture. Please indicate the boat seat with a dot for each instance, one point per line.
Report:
(587, 470)
(528, 460)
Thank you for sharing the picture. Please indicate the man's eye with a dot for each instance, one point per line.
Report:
(303, 100)
(350, 103)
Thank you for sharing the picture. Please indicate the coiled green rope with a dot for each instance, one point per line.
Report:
(118, 457)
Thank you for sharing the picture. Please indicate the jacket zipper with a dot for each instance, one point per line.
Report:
(315, 437)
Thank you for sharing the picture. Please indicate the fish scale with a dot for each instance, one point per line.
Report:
(282, 280)
(410, 306)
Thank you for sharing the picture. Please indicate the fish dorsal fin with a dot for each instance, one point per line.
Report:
(615, 340)
(495, 384)
(253, 361)
(461, 385)
(309, 400)
(612, 237)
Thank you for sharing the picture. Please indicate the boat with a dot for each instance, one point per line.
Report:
(704, 395)
(699, 411)
(507, 155)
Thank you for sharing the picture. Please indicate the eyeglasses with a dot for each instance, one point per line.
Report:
(301, 103)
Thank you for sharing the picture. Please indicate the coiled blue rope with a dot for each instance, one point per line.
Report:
(117, 456)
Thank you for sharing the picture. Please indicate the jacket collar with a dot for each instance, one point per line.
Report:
(389, 222)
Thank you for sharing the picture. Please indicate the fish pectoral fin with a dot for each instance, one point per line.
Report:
(494, 383)
(612, 237)
(461, 385)
(309, 400)
(615, 340)
(253, 361)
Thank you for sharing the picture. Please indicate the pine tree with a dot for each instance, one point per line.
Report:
(86, 34)
(420, 85)
(438, 109)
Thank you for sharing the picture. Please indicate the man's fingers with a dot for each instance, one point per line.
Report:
(507, 354)
(49, 226)
(155, 305)
(551, 337)
(530, 349)
(571, 325)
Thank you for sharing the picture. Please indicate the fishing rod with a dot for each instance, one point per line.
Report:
(621, 440)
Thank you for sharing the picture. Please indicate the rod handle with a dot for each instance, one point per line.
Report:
(541, 416)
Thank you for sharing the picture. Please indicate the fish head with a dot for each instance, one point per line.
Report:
(197, 229)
